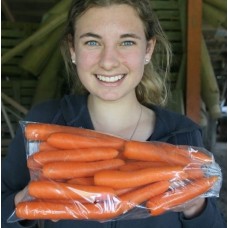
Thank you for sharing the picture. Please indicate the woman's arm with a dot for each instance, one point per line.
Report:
(15, 174)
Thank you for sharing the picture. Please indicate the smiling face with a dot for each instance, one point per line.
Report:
(110, 50)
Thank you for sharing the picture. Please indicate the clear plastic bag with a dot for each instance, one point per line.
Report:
(84, 174)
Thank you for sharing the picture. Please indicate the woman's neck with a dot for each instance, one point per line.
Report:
(123, 118)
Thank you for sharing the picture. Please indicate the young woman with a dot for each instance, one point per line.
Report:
(109, 48)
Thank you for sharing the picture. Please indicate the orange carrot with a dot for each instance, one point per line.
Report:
(41, 131)
(45, 146)
(85, 154)
(201, 157)
(78, 202)
(74, 141)
(56, 190)
(140, 195)
(121, 191)
(123, 179)
(148, 151)
(99, 211)
(81, 181)
(166, 201)
(135, 165)
(69, 170)
(187, 151)
(194, 170)
(58, 211)
(32, 164)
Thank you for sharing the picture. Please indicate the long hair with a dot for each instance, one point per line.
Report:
(153, 88)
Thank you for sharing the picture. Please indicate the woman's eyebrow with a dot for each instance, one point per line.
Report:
(127, 35)
(130, 35)
(89, 34)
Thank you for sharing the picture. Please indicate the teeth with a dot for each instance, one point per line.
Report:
(110, 78)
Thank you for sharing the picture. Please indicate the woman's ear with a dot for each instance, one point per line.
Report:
(150, 48)
(70, 42)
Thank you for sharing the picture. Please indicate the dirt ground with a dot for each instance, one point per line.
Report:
(220, 154)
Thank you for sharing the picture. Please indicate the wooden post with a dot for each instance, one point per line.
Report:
(194, 34)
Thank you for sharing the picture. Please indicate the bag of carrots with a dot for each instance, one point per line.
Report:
(78, 173)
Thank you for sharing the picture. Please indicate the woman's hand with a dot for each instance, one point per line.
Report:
(192, 208)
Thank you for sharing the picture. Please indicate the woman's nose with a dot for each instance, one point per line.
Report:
(109, 58)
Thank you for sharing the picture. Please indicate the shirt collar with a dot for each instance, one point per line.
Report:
(75, 111)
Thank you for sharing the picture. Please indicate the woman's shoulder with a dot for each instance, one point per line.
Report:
(173, 119)
(46, 111)
(175, 128)
(43, 111)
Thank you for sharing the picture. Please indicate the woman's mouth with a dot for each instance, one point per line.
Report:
(111, 79)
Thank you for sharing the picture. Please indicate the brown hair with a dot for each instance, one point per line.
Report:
(152, 89)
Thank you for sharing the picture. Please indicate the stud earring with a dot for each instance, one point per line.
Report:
(73, 61)
(147, 61)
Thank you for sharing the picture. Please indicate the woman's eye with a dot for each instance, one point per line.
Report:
(128, 43)
(92, 43)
